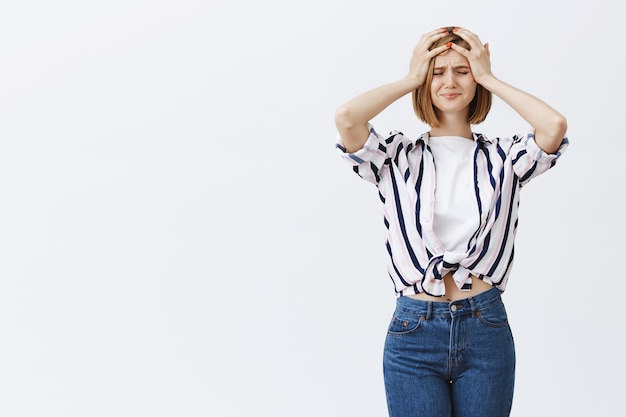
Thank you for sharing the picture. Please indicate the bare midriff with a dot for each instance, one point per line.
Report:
(452, 291)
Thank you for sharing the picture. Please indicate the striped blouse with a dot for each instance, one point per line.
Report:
(404, 172)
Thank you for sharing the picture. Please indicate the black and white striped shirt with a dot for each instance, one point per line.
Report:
(404, 172)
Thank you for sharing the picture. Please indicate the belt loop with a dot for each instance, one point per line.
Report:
(473, 306)
(429, 311)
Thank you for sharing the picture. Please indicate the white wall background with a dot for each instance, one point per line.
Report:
(179, 237)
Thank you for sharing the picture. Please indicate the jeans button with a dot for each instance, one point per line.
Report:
(453, 308)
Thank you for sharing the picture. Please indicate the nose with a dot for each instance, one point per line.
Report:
(449, 79)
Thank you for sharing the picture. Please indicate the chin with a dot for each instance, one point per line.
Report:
(453, 109)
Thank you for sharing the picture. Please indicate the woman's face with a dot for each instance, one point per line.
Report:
(453, 86)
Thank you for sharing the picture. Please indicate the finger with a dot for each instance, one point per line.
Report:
(459, 49)
(465, 33)
(438, 31)
(436, 51)
(469, 37)
(427, 40)
(436, 35)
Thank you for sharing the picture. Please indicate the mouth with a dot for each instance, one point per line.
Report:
(450, 96)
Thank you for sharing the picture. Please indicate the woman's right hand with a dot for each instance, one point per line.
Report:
(352, 118)
(418, 67)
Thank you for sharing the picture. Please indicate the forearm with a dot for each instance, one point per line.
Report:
(352, 117)
(549, 125)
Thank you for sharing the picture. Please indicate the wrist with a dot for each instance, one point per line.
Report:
(488, 81)
(411, 82)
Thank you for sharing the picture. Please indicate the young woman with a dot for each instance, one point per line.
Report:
(450, 201)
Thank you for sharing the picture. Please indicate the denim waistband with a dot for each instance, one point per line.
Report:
(428, 309)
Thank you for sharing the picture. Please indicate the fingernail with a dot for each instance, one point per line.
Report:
(455, 30)
(449, 44)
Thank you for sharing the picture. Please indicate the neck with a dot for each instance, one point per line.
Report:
(443, 130)
(452, 124)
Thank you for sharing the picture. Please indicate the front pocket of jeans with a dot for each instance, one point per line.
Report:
(493, 315)
(403, 325)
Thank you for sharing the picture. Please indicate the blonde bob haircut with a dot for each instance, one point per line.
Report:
(422, 102)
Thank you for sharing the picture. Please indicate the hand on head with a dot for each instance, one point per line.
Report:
(434, 43)
(422, 54)
(478, 55)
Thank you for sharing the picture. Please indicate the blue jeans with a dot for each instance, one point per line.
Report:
(450, 359)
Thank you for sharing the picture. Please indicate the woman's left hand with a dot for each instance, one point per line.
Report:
(478, 56)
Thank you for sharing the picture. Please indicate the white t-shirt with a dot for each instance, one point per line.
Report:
(456, 216)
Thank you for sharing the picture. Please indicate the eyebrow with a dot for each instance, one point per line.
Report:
(454, 67)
